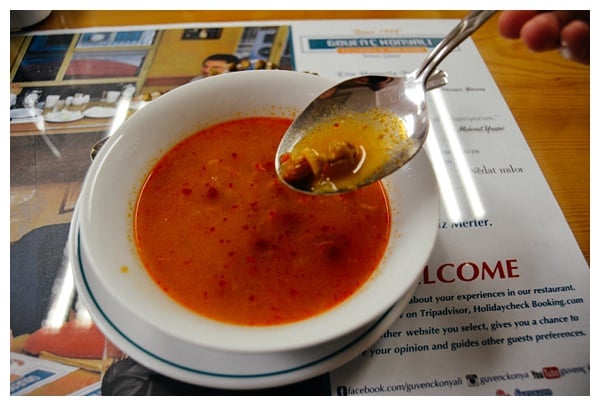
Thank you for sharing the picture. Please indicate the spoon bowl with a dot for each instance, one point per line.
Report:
(393, 98)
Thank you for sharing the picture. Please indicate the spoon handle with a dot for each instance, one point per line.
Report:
(468, 25)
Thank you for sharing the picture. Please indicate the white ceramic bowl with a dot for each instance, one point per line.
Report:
(133, 311)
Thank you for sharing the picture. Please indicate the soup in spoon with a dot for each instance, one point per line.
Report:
(342, 151)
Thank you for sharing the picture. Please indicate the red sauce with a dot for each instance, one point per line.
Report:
(221, 235)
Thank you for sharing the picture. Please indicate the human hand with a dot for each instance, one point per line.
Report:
(568, 31)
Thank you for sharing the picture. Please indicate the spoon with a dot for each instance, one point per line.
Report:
(400, 99)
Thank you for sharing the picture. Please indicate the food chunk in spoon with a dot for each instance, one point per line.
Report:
(342, 151)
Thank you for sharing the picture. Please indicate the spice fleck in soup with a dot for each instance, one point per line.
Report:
(220, 234)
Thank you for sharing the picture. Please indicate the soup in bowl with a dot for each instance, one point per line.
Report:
(185, 241)
(220, 234)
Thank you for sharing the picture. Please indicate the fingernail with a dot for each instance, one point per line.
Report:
(565, 52)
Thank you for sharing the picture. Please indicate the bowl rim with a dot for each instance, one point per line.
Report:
(348, 315)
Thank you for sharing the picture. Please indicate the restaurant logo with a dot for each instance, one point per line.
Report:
(369, 44)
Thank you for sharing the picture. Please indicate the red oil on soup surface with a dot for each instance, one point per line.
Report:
(220, 234)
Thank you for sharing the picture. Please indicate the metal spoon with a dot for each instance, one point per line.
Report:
(402, 97)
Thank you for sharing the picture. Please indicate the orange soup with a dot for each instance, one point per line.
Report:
(220, 234)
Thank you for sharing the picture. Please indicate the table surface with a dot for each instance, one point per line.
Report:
(548, 96)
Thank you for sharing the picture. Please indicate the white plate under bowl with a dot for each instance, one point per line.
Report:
(179, 339)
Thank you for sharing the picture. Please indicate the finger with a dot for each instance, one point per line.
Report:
(510, 22)
(575, 42)
(542, 33)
